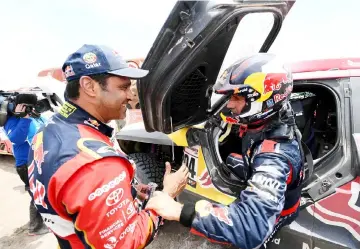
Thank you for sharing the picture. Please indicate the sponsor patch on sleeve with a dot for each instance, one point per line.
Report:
(221, 213)
(67, 109)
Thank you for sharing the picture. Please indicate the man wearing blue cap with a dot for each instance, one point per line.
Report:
(82, 184)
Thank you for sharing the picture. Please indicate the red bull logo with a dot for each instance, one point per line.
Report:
(222, 214)
(229, 120)
(36, 187)
(69, 71)
(205, 180)
(341, 209)
(274, 82)
(93, 122)
(205, 208)
(39, 193)
(38, 149)
(280, 97)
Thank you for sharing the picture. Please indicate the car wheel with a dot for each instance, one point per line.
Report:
(148, 168)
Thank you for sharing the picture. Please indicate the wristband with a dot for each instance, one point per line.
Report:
(187, 214)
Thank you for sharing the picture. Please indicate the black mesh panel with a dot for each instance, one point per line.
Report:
(186, 97)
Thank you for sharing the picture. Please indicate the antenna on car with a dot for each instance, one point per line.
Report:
(172, 142)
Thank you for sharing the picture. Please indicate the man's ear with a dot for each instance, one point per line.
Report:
(88, 86)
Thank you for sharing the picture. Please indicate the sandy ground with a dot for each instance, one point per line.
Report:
(14, 213)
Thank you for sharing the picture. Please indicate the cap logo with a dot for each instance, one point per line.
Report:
(132, 64)
(69, 71)
(90, 58)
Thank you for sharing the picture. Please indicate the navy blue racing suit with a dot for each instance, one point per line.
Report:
(270, 200)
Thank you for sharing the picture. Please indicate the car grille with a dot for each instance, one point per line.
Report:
(186, 97)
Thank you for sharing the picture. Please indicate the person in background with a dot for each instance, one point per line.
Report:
(20, 129)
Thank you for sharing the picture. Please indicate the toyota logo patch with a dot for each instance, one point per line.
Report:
(114, 197)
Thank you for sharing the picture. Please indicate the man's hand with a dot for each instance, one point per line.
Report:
(165, 206)
(20, 108)
(174, 183)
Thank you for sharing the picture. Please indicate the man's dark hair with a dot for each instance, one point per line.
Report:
(73, 86)
(26, 98)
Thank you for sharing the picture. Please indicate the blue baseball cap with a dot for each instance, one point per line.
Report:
(94, 59)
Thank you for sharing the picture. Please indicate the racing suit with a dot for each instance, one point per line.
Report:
(272, 165)
(82, 185)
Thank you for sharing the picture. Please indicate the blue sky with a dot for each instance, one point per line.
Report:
(39, 34)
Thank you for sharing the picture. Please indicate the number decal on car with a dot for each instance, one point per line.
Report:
(191, 161)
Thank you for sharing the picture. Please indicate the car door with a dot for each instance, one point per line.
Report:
(187, 55)
(329, 213)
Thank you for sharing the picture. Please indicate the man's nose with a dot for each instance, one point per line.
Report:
(129, 94)
(230, 104)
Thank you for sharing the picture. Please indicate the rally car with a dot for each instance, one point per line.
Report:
(177, 121)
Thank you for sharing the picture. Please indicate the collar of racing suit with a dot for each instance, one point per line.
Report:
(75, 114)
(280, 127)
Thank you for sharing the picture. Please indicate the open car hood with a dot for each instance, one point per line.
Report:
(187, 55)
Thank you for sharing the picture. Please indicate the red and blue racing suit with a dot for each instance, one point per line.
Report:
(270, 200)
(82, 186)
